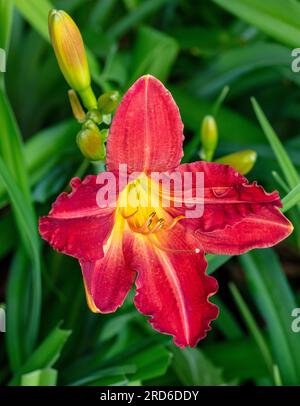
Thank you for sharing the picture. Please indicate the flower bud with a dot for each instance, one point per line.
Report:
(242, 161)
(90, 142)
(77, 109)
(209, 137)
(108, 102)
(70, 53)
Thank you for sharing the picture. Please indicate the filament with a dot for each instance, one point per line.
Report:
(175, 251)
(174, 222)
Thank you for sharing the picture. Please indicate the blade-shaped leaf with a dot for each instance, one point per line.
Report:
(11, 148)
(36, 13)
(154, 53)
(45, 355)
(131, 19)
(253, 327)
(40, 377)
(16, 306)
(215, 261)
(279, 19)
(193, 368)
(292, 198)
(284, 160)
(28, 230)
(275, 301)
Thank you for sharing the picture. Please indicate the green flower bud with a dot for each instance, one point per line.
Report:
(108, 102)
(242, 161)
(90, 142)
(209, 137)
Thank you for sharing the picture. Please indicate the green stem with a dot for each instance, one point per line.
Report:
(88, 98)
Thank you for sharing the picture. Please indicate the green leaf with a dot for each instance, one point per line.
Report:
(11, 148)
(7, 234)
(193, 368)
(36, 12)
(40, 377)
(215, 261)
(113, 326)
(274, 298)
(253, 327)
(131, 19)
(150, 363)
(39, 160)
(58, 139)
(231, 65)
(6, 8)
(283, 159)
(201, 41)
(279, 19)
(154, 53)
(45, 355)
(292, 198)
(226, 321)
(239, 359)
(230, 124)
(27, 226)
(276, 374)
(13, 177)
(16, 307)
(116, 371)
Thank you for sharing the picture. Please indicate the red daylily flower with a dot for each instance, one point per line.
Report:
(165, 249)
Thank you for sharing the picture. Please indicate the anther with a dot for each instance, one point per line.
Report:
(150, 218)
(157, 226)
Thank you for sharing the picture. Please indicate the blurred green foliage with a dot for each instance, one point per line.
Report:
(196, 48)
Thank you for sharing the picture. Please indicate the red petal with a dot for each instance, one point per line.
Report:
(238, 216)
(264, 229)
(146, 132)
(172, 287)
(76, 225)
(108, 280)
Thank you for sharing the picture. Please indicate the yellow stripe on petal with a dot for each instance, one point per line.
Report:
(89, 299)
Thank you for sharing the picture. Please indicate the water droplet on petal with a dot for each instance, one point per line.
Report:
(220, 192)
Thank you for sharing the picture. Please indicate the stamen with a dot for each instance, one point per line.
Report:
(157, 245)
(157, 227)
(149, 221)
(174, 222)
(144, 229)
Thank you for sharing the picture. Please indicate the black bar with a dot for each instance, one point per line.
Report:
(131, 395)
